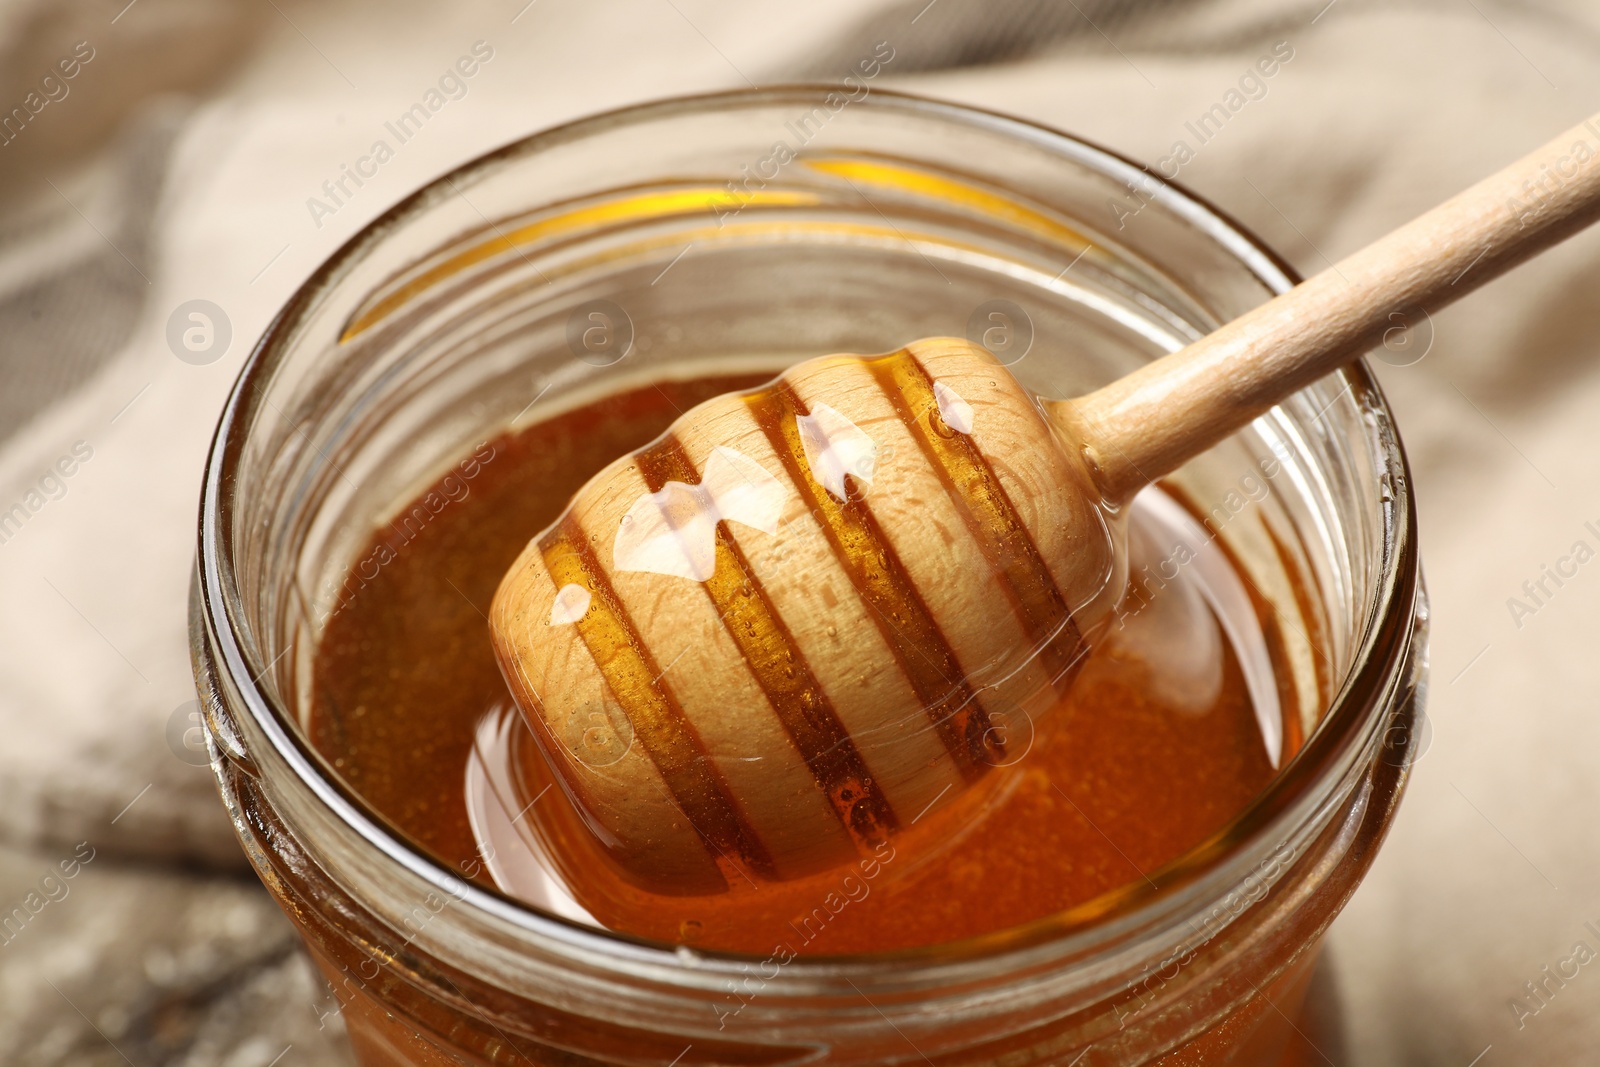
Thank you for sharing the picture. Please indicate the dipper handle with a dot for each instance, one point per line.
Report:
(1149, 423)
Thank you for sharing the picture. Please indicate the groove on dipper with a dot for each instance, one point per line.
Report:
(780, 668)
(988, 513)
(634, 678)
(895, 605)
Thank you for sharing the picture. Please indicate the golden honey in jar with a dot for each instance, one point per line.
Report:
(1156, 745)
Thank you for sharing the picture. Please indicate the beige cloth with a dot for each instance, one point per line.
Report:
(1491, 871)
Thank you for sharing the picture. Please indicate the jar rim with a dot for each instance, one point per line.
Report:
(1353, 717)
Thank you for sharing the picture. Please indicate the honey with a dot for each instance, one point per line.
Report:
(1164, 735)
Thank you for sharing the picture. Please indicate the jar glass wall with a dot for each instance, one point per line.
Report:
(736, 233)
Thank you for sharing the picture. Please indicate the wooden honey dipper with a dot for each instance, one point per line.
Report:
(771, 639)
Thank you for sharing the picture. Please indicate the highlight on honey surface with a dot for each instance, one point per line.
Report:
(672, 531)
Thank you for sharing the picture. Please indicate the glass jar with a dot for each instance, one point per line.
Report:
(743, 231)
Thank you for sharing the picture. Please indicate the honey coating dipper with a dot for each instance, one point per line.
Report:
(769, 640)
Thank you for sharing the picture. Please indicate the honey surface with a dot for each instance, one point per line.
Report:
(1134, 769)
